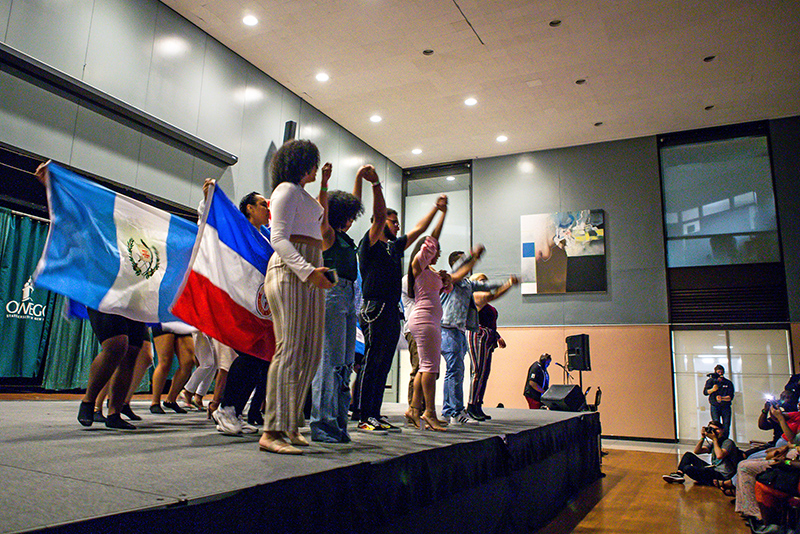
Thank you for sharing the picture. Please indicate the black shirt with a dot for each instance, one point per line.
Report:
(725, 390)
(540, 376)
(342, 257)
(381, 268)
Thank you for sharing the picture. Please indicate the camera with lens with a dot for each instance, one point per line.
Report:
(708, 430)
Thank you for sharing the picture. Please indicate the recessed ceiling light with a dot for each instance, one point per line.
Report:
(470, 101)
(249, 20)
(709, 59)
(502, 138)
(555, 23)
(598, 123)
(376, 118)
(417, 151)
(322, 77)
(580, 81)
(427, 52)
(707, 108)
(450, 178)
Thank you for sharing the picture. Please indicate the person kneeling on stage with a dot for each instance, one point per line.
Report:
(724, 457)
(538, 381)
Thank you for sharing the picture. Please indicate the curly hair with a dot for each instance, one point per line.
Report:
(341, 207)
(293, 160)
(248, 200)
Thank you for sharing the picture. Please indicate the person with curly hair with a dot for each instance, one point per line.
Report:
(330, 390)
(294, 286)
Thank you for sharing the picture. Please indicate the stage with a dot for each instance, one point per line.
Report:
(177, 474)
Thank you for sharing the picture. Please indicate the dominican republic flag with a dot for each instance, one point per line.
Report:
(110, 252)
(223, 294)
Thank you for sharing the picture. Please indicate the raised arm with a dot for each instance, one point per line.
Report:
(328, 234)
(368, 173)
(482, 298)
(463, 270)
(422, 225)
(437, 231)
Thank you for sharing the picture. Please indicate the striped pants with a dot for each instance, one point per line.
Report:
(481, 346)
(298, 316)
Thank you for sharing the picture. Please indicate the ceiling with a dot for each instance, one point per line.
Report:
(642, 62)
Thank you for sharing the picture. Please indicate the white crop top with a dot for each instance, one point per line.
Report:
(294, 212)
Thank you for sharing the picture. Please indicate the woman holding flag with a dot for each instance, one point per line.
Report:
(294, 287)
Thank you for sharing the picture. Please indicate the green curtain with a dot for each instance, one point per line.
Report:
(69, 350)
(24, 309)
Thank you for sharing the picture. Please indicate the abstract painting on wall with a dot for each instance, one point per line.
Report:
(563, 252)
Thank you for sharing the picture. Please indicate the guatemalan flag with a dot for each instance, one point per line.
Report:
(223, 294)
(110, 252)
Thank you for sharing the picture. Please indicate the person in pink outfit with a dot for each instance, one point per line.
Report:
(425, 284)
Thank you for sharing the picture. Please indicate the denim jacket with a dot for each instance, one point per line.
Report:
(457, 303)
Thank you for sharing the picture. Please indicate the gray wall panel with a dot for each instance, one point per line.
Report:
(121, 48)
(55, 33)
(392, 180)
(222, 98)
(620, 178)
(5, 11)
(106, 147)
(324, 133)
(165, 170)
(204, 168)
(176, 72)
(785, 144)
(262, 132)
(36, 120)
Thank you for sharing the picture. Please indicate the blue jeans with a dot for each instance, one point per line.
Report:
(454, 348)
(722, 414)
(330, 389)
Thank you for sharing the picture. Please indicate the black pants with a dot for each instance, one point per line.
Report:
(380, 323)
(247, 373)
(698, 470)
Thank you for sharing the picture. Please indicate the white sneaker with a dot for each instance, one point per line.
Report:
(463, 418)
(246, 427)
(226, 420)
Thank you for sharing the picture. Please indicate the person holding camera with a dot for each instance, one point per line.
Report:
(724, 457)
(719, 391)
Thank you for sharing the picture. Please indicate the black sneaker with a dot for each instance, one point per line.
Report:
(371, 426)
(86, 413)
(115, 421)
(127, 412)
(157, 409)
(387, 426)
(174, 407)
(98, 417)
(473, 412)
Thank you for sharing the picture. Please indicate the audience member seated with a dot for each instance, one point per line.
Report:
(724, 457)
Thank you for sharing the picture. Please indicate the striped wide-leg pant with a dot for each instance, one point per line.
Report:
(481, 346)
(298, 315)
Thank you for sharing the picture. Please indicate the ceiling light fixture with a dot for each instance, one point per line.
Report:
(502, 138)
(416, 151)
(707, 108)
(555, 23)
(376, 118)
(600, 123)
(709, 59)
(427, 52)
(322, 77)
(450, 178)
(580, 81)
(470, 101)
(249, 20)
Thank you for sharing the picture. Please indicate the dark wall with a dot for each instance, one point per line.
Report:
(620, 177)
(785, 143)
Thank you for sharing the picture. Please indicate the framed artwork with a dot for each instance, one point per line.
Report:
(563, 252)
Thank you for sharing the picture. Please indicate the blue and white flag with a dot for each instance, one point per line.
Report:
(110, 252)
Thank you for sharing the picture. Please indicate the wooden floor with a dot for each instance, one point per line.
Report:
(633, 498)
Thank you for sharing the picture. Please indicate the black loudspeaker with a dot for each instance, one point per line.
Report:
(564, 398)
(289, 131)
(578, 353)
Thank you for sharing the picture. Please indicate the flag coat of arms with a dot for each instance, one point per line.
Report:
(223, 293)
(110, 252)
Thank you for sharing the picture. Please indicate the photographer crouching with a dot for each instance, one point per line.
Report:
(724, 457)
(719, 391)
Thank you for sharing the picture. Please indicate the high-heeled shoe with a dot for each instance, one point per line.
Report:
(212, 407)
(432, 423)
(412, 417)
